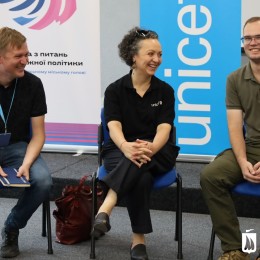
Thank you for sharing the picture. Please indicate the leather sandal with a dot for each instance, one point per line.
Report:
(101, 225)
(138, 252)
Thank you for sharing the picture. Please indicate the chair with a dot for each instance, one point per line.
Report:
(243, 188)
(160, 182)
(46, 222)
(46, 216)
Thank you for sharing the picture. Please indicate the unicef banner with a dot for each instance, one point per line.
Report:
(64, 43)
(201, 46)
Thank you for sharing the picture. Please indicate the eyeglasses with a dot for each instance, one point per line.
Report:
(248, 39)
(145, 33)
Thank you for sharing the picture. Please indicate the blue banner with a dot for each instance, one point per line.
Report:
(201, 46)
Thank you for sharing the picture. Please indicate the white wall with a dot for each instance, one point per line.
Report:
(117, 17)
(250, 8)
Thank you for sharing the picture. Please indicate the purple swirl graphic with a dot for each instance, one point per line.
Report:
(58, 11)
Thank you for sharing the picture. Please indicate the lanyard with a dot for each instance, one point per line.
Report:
(1, 110)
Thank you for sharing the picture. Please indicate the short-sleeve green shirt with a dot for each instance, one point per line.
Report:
(243, 92)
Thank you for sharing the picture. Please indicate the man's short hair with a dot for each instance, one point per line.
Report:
(10, 38)
(252, 20)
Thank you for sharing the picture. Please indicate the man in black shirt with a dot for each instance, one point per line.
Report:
(22, 112)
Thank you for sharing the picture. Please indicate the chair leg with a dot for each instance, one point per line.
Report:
(46, 217)
(43, 219)
(211, 247)
(94, 211)
(177, 214)
(178, 230)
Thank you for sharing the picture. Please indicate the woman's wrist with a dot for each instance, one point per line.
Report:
(122, 144)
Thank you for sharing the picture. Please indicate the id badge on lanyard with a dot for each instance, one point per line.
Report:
(5, 137)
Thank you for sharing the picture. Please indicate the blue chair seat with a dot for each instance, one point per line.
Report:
(160, 182)
(247, 188)
(165, 180)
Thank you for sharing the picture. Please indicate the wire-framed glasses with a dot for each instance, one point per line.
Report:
(248, 39)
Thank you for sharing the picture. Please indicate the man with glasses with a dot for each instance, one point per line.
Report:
(242, 161)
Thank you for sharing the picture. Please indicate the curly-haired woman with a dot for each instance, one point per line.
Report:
(139, 111)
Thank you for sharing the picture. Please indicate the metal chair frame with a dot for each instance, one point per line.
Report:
(95, 179)
(46, 223)
(243, 188)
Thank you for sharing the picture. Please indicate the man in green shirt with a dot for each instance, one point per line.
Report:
(242, 161)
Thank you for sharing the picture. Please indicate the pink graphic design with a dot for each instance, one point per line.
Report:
(71, 134)
(58, 10)
(53, 13)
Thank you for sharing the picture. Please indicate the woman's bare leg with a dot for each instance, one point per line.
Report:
(138, 239)
(109, 202)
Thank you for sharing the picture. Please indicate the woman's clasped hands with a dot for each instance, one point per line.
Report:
(139, 152)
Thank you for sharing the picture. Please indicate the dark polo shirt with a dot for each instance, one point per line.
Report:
(29, 101)
(139, 116)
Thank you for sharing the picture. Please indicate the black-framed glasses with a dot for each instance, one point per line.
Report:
(248, 39)
(145, 33)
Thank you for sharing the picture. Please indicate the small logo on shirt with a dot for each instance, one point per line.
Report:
(159, 103)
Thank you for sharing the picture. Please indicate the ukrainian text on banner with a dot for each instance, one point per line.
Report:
(64, 44)
(201, 46)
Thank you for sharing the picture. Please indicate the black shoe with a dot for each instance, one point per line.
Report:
(101, 225)
(9, 247)
(98, 236)
(138, 252)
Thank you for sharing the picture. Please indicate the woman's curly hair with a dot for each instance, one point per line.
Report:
(129, 46)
